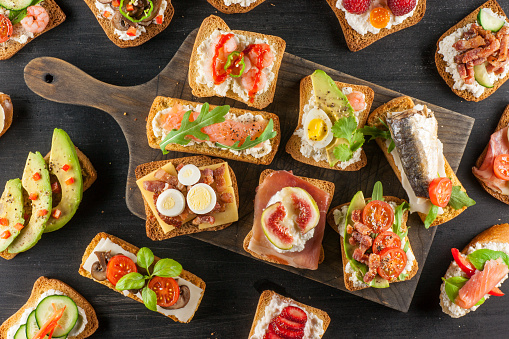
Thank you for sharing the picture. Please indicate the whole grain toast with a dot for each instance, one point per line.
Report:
(133, 249)
(441, 64)
(398, 105)
(502, 123)
(153, 229)
(208, 26)
(161, 103)
(356, 41)
(322, 184)
(267, 296)
(4, 101)
(293, 144)
(233, 8)
(330, 220)
(44, 284)
(151, 30)
(56, 17)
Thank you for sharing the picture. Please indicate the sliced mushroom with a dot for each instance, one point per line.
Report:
(155, 11)
(104, 1)
(98, 270)
(185, 295)
(120, 22)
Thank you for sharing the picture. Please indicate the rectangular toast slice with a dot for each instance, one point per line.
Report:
(221, 6)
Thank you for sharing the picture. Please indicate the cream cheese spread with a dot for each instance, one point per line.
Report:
(2, 117)
(243, 3)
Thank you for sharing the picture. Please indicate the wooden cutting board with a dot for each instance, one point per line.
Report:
(59, 81)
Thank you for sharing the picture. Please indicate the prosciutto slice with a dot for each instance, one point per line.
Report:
(499, 144)
(309, 256)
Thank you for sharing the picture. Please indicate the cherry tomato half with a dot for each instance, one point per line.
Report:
(378, 215)
(118, 266)
(5, 28)
(167, 290)
(392, 263)
(501, 166)
(385, 240)
(440, 191)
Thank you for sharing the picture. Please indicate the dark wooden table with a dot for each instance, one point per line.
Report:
(403, 62)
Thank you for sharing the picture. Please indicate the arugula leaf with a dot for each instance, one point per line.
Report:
(346, 128)
(268, 133)
(460, 199)
(167, 268)
(149, 298)
(432, 215)
(453, 286)
(193, 128)
(478, 258)
(145, 257)
(378, 193)
(131, 281)
(398, 220)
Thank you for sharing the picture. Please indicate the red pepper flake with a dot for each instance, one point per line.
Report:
(129, 7)
(69, 181)
(33, 196)
(56, 213)
(5, 235)
(115, 3)
(55, 187)
(36, 176)
(131, 32)
(66, 167)
(19, 226)
(106, 14)
(159, 19)
(4, 222)
(42, 213)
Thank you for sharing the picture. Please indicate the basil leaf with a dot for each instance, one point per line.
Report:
(131, 281)
(145, 257)
(398, 221)
(166, 268)
(342, 152)
(453, 286)
(478, 258)
(149, 298)
(378, 193)
(460, 199)
(432, 215)
(268, 133)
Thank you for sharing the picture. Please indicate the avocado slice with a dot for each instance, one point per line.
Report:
(329, 97)
(329, 150)
(35, 181)
(65, 166)
(11, 210)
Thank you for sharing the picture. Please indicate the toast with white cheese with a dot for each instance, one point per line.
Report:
(6, 108)
(238, 6)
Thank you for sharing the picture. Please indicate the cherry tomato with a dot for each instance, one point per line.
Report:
(385, 240)
(118, 266)
(501, 166)
(167, 290)
(392, 263)
(463, 262)
(378, 215)
(440, 191)
(5, 28)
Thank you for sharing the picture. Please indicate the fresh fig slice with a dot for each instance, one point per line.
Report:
(302, 208)
(275, 230)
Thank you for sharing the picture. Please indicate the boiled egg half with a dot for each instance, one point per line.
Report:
(201, 199)
(189, 175)
(171, 203)
(317, 128)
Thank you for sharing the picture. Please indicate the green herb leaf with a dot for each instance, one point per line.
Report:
(149, 298)
(407, 244)
(344, 128)
(342, 152)
(432, 215)
(193, 128)
(391, 146)
(378, 192)
(403, 276)
(374, 133)
(131, 281)
(478, 258)
(268, 133)
(357, 141)
(460, 199)
(398, 221)
(167, 268)
(453, 286)
(145, 257)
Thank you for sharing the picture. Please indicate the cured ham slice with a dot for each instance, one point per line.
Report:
(309, 256)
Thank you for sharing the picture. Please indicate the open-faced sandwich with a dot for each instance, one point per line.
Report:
(492, 167)
(289, 219)
(476, 272)
(330, 116)
(221, 131)
(6, 113)
(21, 21)
(472, 56)
(365, 21)
(46, 198)
(161, 284)
(54, 309)
(407, 134)
(187, 195)
(278, 317)
(236, 64)
(130, 23)
(375, 247)
(235, 6)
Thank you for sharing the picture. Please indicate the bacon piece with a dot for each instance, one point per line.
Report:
(363, 239)
(204, 219)
(462, 70)
(162, 175)
(470, 55)
(207, 176)
(349, 229)
(471, 33)
(226, 197)
(352, 241)
(179, 167)
(463, 45)
(218, 208)
(504, 44)
(356, 215)
(470, 73)
(361, 228)
(503, 31)
(219, 178)
(359, 254)
(373, 264)
(499, 70)
(154, 185)
(478, 61)
(490, 49)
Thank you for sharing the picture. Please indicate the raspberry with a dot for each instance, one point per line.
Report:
(401, 7)
(356, 6)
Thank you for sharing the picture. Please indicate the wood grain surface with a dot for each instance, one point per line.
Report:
(402, 61)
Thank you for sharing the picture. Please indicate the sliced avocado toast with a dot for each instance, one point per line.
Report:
(11, 213)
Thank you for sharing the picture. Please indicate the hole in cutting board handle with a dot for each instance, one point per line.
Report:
(48, 78)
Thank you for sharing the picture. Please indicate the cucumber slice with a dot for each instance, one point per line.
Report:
(21, 333)
(31, 326)
(15, 5)
(482, 77)
(45, 310)
(489, 21)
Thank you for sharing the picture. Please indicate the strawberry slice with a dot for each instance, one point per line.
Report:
(288, 324)
(294, 314)
(271, 335)
(286, 333)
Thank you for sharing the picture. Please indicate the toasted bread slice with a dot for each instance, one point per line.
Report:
(330, 220)
(6, 104)
(265, 299)
(209, 25)
(56, 17)
(154, 230)
(356, 41)
(398, 105)
(151, 30)
(221, 6)
(442, 64)
(293, 144)
(42, 285)
(133, 249)
(161, 103)
(502, 123)
(322, 184)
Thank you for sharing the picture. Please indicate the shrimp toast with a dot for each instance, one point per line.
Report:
(234, 7)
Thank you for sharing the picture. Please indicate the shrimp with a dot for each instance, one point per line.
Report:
(36, 19)
(215, 69)
(357, 101)
(252, 82)
(260, 55)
